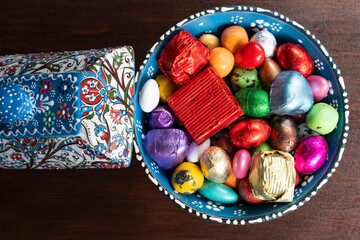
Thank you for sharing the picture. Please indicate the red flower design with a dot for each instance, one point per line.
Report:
(63, 111)
(16, 156)
(11, 70)
(46, 87)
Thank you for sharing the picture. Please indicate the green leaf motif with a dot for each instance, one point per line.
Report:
(92, 68)
(89, 117)
(17, 150)
(109, 78)
(117, 61)
(107, 109)
(54, 68)
(112, 94)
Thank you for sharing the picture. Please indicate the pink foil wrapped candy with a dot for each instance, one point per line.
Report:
(310, 154)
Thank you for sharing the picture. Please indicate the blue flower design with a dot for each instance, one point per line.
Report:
(101, 148)
(64, 87)
(100, 131)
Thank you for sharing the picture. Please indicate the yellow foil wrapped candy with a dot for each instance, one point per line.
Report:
(272, 176)
(166, 87)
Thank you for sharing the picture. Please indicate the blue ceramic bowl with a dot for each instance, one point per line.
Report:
(285, 30)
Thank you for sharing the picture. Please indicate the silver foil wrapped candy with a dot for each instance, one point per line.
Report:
(290, 94)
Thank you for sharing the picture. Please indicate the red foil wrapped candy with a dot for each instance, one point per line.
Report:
(292, 56)
(183, 57)
(205, 105)
(250, 133)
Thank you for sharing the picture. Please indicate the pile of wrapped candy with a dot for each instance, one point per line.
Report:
(228, 120)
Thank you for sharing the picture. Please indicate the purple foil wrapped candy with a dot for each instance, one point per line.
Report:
(310, 154)
(167, 146)
(162, 117)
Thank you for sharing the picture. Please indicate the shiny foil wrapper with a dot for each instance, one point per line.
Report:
(162, 117)
(183, 57)
(205, 105)
(272, 176)
(215, 164)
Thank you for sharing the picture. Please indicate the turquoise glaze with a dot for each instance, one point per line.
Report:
(285, 30)
(218, 192)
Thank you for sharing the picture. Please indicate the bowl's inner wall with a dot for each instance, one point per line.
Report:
(284, 32)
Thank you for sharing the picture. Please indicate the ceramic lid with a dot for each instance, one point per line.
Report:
(78, 104)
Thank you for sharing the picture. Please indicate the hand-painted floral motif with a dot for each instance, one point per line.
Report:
(48, 119)
(42, 102)
(46, 87)
(63, 111)
(106, 95)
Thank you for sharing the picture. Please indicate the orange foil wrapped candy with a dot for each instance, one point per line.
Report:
(183, 57)
(205, 105)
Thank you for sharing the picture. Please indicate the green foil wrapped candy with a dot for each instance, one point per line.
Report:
(322, 118)
(254, 102)
(262, 147)
(245, 78)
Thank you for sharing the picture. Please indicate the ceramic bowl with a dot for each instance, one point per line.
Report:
(285, 30)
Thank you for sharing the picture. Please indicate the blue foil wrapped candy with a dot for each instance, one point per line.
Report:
(167, 146)
(290, 94)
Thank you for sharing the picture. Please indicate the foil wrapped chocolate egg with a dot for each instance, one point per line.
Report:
(272, 176)
(268, 71)
(284, 134)
(215, 164)
(310, 154)
(167, 146)
(290, 94)
(264, 147)
(292, 56)
(254, 102)
(267, 40)
(250, 133)
(161, 117)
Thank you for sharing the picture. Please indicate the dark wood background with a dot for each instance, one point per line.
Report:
(124, 204)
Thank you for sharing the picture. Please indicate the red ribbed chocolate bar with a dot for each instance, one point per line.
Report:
(205, 105)
(183, 57)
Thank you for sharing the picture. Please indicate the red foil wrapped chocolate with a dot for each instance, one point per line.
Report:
(250, 133)
(205, 105)
(292, 56)
(183, 57)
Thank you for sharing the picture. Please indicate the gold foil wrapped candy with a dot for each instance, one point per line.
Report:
(215, 164)
(272, 176)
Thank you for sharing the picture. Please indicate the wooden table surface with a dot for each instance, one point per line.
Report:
(124, 204)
